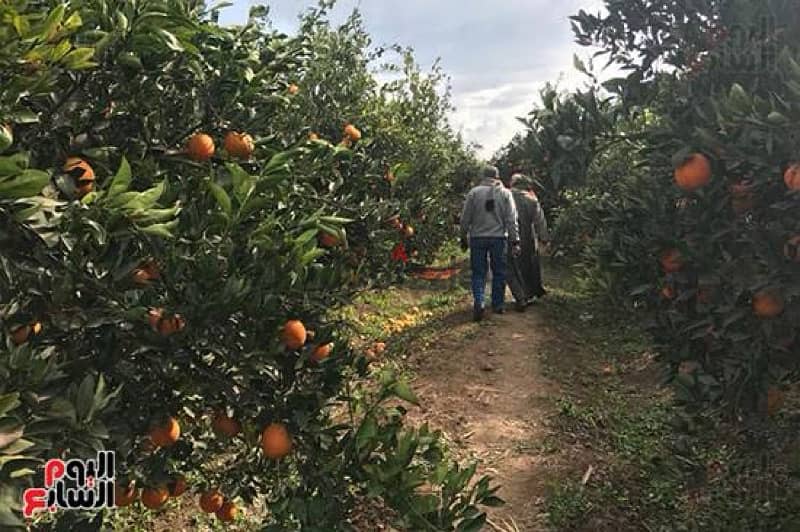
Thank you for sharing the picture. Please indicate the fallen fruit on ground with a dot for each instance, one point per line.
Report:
(225, 425)
(211, 501)
(321, 352)
(177, 486)
(125, 495)
(276, 441)
(155, 497)
(227, 512)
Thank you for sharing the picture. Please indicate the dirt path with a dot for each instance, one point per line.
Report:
(484, 386)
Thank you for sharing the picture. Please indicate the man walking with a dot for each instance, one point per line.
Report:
(489, 220)
(525, 274)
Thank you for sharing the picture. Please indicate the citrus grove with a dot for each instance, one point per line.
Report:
(680, 189)
(184, 207)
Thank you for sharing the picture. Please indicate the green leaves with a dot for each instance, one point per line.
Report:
(121, 181)
(27, 183)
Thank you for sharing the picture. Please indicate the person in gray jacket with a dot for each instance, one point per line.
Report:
(489, 220)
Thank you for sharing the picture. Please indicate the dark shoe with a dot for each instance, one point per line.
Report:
(499, 310)
(477, 314)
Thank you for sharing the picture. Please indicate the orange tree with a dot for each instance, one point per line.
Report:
(712, 210)
(173, 248)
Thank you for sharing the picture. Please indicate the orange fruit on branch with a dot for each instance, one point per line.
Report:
(668, 292)
(165, 433)
(211, 501)
(200, 147)
(82, 174)
(22, 333)
(293, 89)
(313, 136)
(693, 173)
(155, 498)
(352, 132)
(294, 334)
(321, 352)
(768, 303)
(792, 176)
(146, 272)
(177, 486)
(672, 260)
(408, 231)
(276, 441)
(125, 494)
(227, 512)
(225, 425)
(239, 145)
(327, 240)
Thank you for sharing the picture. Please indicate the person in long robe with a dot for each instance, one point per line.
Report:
(524, 272)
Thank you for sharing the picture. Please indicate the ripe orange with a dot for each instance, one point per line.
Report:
(792, 249)
(155, 498)
(313, 136)
(408, 231)
(672, 260)
(239, 145)
(792, 176)
(768, 303)
(82, 173)
(200, 147)
(276, 441)
(321, 352)
(177, 486)
(352, 132)
(163, 324)
(146, 272)
(380, 347)
(19, 335)
(125, 495)
(774, 401)
(225, 425)
(327, 240)
(211, 501)
(227, 512)
(293, 89)
(294, 334)
(165, 433)
(694, 172)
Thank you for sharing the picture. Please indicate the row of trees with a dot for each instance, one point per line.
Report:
(183, 207)
(676, 185)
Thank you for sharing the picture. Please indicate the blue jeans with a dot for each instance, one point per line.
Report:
(493, 249)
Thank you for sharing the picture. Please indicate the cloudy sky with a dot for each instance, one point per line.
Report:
(497, 54)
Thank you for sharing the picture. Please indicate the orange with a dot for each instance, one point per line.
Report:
(792, 176)
(693, 173)
(327, 240)
(155, 498)
(177, 486)
(294, 334)
(346, 142)
(313, 136)
(19, 335)
(82, 173)
(408, 231)
(225, 425)
(276, 441)
(171, 325)
(166, 433)
(293, 89)
(146, 272)
(671, 260)
(380, 347)
(211, 501)
(768, 304)
(227, 512)
(774, 401)
(239, 145)
(389, 176)
(352, 132)
(200, 147)
(125, 495)
(321, 352)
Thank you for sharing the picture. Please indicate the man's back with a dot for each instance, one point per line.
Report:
(489, 212)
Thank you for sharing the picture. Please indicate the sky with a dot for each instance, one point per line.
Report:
(497, 54)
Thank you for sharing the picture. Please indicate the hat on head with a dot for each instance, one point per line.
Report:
(490, 172)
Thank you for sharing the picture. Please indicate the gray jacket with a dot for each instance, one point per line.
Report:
(489, 211)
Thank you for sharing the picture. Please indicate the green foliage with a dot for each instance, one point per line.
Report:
(162, 288)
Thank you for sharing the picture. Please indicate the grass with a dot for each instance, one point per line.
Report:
(649, 475)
